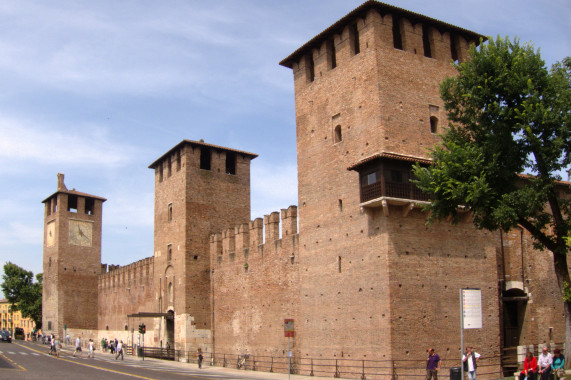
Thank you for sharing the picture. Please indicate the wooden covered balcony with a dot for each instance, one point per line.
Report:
(385, 179)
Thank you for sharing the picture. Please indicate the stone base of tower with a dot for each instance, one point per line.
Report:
(188, 337)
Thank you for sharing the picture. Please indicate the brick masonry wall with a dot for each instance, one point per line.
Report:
(125, 291)
(255, 287)
(428, 267)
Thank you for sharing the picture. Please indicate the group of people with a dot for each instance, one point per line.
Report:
(469, 361)
(115, 346)
(112, 345)
(545, 365)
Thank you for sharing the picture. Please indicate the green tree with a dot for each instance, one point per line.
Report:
(508, 114)
(22, 292)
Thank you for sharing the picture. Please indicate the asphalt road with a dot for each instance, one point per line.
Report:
(27, 360)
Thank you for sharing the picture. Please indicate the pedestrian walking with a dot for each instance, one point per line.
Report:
(200, 357)
(77, 347)
(57, 346)
(119, 350)
(91, 348)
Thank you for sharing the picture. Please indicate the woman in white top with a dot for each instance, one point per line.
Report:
(91, 349)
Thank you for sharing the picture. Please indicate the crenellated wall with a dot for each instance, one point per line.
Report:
(124, 291)
(255, 284)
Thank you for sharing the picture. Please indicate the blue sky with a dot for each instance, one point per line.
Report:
(99, 90)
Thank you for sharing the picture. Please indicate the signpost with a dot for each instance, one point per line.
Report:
(470, 315)
(289, 332)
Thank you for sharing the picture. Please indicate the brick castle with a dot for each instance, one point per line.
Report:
(363, 277)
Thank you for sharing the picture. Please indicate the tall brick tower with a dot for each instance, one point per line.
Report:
(199, 189)
(72, 259)
(367, 99)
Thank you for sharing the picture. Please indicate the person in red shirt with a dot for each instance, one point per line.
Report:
(529, 367)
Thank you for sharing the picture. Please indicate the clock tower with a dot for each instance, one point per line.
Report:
(72, 259)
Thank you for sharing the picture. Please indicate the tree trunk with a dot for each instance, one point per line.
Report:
(562, 273)
(567, 333)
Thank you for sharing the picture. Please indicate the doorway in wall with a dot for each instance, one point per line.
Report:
(170, 328)
(514, 305)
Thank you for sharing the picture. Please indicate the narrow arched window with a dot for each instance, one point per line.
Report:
(433, 124)
(169, 295)
(337, 136)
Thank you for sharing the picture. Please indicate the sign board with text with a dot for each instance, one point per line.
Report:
(471, 309)
(288, 328)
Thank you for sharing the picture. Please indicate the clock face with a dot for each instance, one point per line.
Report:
(80, 233)
(50, 234)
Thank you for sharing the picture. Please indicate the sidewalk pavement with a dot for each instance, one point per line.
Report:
(207, 369)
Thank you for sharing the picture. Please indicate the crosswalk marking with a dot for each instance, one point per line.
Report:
(133, 363)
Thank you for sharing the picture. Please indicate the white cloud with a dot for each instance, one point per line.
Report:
(16, 233)
(88, 144)
(129, 208)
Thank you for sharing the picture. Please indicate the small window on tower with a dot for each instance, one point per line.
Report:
(72, 203)
(169, 167)
(170, 212)
(230, 163)
(160, 172)
(337, 136)
(205, 158)
(89, 206)
(169, 253)
(433, 124)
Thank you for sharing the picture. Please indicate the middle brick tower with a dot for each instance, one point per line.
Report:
(199, 189)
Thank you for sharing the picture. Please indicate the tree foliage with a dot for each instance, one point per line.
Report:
(509, 114)
(22, 292)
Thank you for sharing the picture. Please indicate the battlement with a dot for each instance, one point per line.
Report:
(200, 155)
(115, 277)
(258, 235)
(375, 26)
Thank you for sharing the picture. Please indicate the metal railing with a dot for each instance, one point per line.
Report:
(495, 366)
(401, 190)
(488, 368)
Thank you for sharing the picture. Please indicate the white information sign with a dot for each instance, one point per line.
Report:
(472, 308)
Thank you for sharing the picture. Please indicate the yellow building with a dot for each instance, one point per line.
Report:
(10, 321)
